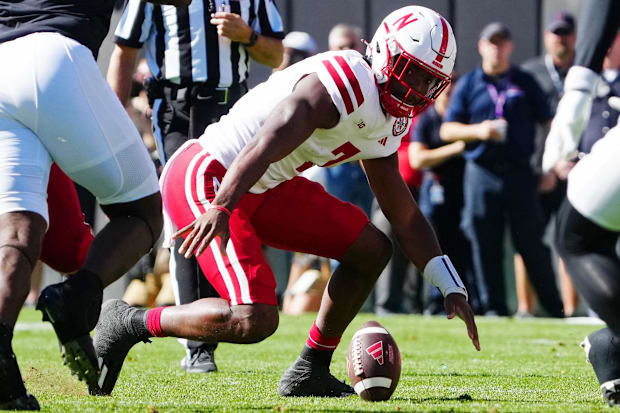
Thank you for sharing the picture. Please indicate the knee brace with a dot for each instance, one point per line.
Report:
(23, 252)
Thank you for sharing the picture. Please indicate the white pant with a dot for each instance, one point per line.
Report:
(55, 106)
(594, 183)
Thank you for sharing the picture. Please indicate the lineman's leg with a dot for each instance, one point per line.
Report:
(23, 215)
(248, 311)
(587, 236)
(72, 110)
(589, 252)
(299, 215)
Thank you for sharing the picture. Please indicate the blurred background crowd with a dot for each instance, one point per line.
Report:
(472, 160)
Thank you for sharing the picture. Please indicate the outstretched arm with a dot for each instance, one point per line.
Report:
(290, 123)
(417, 238)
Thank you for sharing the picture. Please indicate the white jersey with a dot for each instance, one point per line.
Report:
(594, 183)
(363, 132)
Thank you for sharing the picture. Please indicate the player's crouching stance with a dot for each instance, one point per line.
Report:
(237, 187)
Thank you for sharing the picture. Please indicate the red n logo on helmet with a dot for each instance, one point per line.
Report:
(404, 21)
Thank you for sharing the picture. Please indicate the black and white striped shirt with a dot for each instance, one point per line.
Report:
(184, 47)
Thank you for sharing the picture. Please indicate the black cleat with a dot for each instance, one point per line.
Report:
(114, 337)
(13, 394)
(307, 379)
(73, 316)
(603, 351)
(200, 360)
(24, 402)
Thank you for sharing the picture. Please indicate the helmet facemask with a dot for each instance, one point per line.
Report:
(410, 85)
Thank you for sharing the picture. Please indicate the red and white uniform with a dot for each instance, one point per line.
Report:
(68, 237)
(282, 209)
(364, 131)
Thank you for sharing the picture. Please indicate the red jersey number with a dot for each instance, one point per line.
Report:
(346, 150)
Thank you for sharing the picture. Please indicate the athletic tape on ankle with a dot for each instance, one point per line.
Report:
(153, 321)
(442, 274)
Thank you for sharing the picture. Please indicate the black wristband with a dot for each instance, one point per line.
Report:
(253, 39)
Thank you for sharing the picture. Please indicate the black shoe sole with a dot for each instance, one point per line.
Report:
(75, 353)
(110, 376)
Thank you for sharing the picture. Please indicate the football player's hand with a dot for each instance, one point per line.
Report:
(456, 304)
(571, 117)
(232, 26)
(202, 231)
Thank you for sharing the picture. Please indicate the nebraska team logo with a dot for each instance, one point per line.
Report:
(376, 352)
(400, 126)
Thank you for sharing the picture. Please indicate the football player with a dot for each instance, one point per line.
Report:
(56, 107)
(236, 187)
(589, 220)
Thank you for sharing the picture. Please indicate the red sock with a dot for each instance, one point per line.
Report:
(153, 322)
(318, 341)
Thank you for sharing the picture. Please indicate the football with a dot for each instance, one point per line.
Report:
(373, 362)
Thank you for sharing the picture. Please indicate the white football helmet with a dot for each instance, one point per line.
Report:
(412, 54)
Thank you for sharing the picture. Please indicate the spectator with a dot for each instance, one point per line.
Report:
(494, 109)
(297, 47)
(200, 73)
(441, 193)
(549, 70)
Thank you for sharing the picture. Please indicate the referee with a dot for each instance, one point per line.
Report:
(200, 59)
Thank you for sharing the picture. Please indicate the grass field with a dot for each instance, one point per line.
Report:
(524, 366)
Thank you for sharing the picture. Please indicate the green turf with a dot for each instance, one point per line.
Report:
(524, 366)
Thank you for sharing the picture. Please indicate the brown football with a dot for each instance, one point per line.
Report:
(373, 362)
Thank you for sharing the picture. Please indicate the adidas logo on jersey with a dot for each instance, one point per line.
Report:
(383, 141)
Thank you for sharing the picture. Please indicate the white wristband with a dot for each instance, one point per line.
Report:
(442, 274)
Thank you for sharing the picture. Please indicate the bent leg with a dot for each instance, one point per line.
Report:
(215, 320)
(133, 229)
(21, 235)
(353, 281)
(589, 253)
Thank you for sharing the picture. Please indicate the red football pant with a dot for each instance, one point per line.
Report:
(68, 237)
(297, 215)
